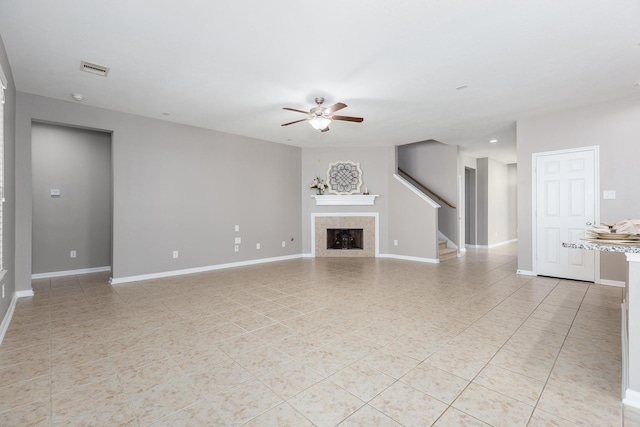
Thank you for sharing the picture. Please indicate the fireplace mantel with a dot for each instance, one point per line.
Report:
(345, 200)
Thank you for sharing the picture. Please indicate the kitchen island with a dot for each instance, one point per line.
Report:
(630, 315)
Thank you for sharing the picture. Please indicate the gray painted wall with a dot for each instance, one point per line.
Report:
(436, 166)
(9, 218)
(497, 211)
(175, 187)
(615, 128)
(78, 163)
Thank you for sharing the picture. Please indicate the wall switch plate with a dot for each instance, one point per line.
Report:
(55, 192)
(395, 243)
(237, 228)
(175, 254)
(236, 248)
(238, 240)
(72, 254)
(284, 243)
(257, 245)
(609, 194)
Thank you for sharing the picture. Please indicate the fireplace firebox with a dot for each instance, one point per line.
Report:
(345, 238)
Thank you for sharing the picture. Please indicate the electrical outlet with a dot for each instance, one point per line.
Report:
(284, 243)
(72, 254)
(257, 245)
(238, 240)
(175, 254)
(236, 248)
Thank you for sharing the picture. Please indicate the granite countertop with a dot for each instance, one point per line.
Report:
(629, 248)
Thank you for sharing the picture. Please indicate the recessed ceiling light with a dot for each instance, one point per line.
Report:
(461, 87)
(493, 141)
(77, 97)
(166, 113)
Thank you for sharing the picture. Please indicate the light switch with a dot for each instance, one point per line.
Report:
(609, 194)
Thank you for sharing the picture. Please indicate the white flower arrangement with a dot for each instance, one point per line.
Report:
(319, 185)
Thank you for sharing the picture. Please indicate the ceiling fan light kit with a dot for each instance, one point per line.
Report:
(320, 117)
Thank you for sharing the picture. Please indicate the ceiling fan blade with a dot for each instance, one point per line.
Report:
(325, 129)
(335, 107)
(293, 109)
(297, 121)
(348, 118)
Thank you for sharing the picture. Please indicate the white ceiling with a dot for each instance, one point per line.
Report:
(232, 65)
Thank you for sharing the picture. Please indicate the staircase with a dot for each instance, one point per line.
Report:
(445, 253)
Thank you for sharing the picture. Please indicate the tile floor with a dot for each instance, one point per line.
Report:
(324, 342)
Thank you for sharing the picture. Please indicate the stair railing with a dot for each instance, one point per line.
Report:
(424, 187)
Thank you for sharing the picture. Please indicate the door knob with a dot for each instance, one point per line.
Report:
(589, 223)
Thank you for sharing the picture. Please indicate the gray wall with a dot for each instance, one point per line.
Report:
(615, 128)
(377, 164)
(9, 221)
(496, 208)
(175, 187)
(435, 165)
(78, 163)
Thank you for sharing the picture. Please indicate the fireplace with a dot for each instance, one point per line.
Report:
(344, 239)
(344, 235)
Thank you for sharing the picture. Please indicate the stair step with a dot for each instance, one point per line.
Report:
(447, 253)
(442, 244)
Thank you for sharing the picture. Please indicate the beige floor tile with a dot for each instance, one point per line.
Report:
(325, 404)
(172, 343)
(36, 413)
(290, 379)
(455, 418)
(408, 406)
(367, 417)
(281, 415)
(544, 419)
(492, 407)
(362, 381)
(581, 406)
(435, 382)
(244, 402)
(526, 390)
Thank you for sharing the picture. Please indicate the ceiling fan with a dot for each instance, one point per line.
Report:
(321, 117)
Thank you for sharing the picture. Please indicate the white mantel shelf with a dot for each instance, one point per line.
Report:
(345, 200)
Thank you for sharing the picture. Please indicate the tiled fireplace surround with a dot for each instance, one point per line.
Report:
(368, 222)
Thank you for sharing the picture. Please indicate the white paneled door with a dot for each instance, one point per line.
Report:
(565, 209)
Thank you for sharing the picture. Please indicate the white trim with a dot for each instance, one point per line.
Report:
(495, 245)
(534, 201)
(416, 191)
(607, 282)
(119, 280)
(410, 258)
(345, 200)
(24, 294)
(7, 317)
(525, 272)
(314, 215)
(632, 398)
(632, 257)
(70, 272)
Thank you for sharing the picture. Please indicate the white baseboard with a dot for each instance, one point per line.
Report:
(632, 398)
(23, 294)
(525, 272)
(7, 317)
(70, 272)
(410, 258)
(119, 280)
(616, 283)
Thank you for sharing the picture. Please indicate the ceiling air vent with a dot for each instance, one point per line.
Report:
(89, 67)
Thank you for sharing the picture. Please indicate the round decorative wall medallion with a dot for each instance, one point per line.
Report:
(344, 177)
